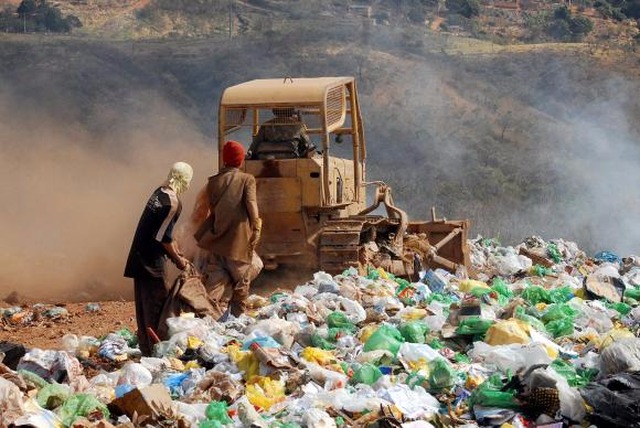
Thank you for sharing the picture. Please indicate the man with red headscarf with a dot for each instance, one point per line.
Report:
(231, 232)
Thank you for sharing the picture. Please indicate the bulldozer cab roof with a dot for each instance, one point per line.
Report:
(288, 91)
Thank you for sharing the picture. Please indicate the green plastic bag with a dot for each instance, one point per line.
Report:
(405, 292)
(217, 415)
(414, 331)
(621, 307)
(500, 287)
(367, 374)
(126, 334)
(436, 344)
(529, 319)
(53, 396)
(554, 253)
(558, 311)
(560, 327)
(277, 296)
(542, 271)
(32, 379)
(535, 294)
(441, 298)
(461, 358)
(334, 334)
(633, 293)
(372, 274)
(489, 394)
(386, 337)
(561, 294)
(442, 376)
(340, 320)
(480, 292)
(81, 405)
(320, 342)
(473, 326)
(569, 372)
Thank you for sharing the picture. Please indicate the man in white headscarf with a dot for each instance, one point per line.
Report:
(152, 245)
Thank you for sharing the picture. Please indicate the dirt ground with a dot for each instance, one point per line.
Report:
(46, 333)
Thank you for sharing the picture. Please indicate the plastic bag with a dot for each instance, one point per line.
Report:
(560, 327)
(265, 392)
(135, 374)
(11, 405)
(442, 376)
(468, 285)
(246, 361)
(367, 374)
(53, 396)
(561, 294)
(489, 394)
(386, 337)
(318, 356)
(339, 320)
(535, 294)
(621, 356)
(416, 355)
(318, 341)
(570, 373)
(318, 418)
(534, 322)
(510, 357)
(473, 326)
(506, 332)
(414, 331)
(500, 287)
(620, 307)
(614, 400)
(217, 415)
(558, 311)
(81, 405)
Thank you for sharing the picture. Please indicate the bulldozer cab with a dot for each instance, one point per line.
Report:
(327, 108)
(298, 191)
(306, 147)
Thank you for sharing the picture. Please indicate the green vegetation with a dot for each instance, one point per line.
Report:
(558, 25)
(466, 8)
(37, 16)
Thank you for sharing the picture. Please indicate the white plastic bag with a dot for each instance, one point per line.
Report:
(416, 354)
(135, 374)
(513, 357)
(11, 405)
(318, 418)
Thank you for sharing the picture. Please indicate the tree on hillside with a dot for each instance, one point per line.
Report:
(38, 15)
(558, 25)
(466, 8)
(632, 9)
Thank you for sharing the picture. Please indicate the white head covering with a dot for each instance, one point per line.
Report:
(180, 177)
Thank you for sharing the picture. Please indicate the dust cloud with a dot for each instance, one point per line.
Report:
(71, 203)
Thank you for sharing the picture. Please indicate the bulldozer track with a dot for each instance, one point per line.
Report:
(340, 245)
(342, 240)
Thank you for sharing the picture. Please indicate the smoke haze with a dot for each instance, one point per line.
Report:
(71, 203)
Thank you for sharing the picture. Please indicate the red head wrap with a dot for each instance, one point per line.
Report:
(232, 154)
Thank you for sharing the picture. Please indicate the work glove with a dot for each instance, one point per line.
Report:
(255, 236)
(182, 263)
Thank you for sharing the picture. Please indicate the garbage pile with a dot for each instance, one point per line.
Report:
(534, 335)
(21, 316)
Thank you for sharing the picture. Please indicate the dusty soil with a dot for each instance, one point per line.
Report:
(47, 333)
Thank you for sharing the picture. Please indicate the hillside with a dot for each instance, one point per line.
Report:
(521, 139)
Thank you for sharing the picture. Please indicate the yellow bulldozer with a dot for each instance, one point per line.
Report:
(313, 199)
